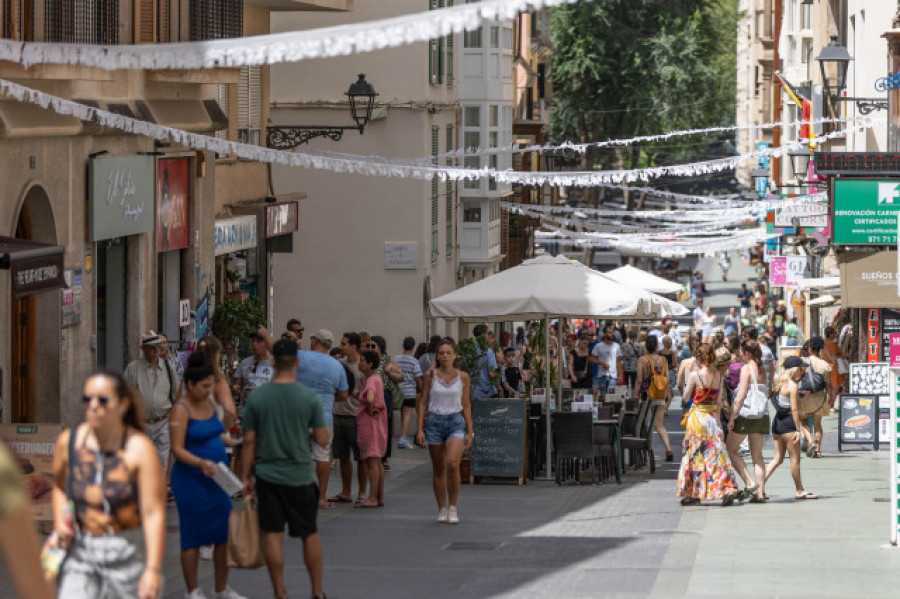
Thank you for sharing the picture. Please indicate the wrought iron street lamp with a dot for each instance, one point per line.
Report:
(362, 98)
(800, 158)
(833, 63)
(760, 180)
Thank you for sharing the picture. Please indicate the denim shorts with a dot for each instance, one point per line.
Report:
(440, 427)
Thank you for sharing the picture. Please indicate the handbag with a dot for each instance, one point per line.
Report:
(754, 406)
(244, 539)
(53, 554)
(843, 366)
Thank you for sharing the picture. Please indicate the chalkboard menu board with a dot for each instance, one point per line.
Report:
(858, 420)
(498, 449)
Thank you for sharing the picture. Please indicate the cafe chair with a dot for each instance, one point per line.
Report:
(640, 445)
(605, 446)
(574, 443)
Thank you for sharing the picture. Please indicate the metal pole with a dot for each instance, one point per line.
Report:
(559, 360)
(547, 389)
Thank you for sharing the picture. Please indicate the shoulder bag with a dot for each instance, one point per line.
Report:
(754, 405)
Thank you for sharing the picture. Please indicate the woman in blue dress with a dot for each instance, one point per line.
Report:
(203, 507)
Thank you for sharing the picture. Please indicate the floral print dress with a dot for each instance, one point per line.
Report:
(706, 471)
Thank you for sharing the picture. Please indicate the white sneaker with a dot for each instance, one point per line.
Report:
(206, 552)
(443, 515)
(228, 593)
(403, 443)
(452, 516)
(195, 594)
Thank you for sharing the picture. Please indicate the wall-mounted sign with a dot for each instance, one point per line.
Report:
(808, 215)
(72, 299)
(184, 313)
(172, 220)
(857, 163)
(777, 271)
(869, 280)
(282, 219)
(865, 211)
(120, 197)
(233, 234)
(872, 338)
(401, 256)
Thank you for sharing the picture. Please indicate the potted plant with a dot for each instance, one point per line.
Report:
(233, 322)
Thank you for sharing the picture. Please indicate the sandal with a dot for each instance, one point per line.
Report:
(728, 500)
(748, 492)
(339, 499)
(812, 450)
(690, 501)
(806, 495)
(758, 499)
(817, 454)
(670, 456)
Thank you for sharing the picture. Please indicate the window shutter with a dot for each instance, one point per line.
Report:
(435, 132)
(144, 21)
(222, 100)
(249, 111)
(448, 44)
(449, 199)
(164, 21)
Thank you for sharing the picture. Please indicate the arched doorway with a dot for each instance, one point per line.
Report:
(35, 365)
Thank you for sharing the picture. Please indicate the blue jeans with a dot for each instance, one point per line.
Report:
(603, 383)
(441, 427)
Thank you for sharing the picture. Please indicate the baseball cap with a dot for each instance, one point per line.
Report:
(324, 335)
(152, 339)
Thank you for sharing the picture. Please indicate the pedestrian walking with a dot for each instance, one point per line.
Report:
(753, 429)
(786, 427)
(705, 471)
(344, 442)
(744, 296)
(211, 348)
(779, 318)
(328, 378)
(426, 361)
(277, 422)
(653, 383)
(631, 352)
(391, 375)
(371, 427)
(203, 507)
(410, 387)
(731, 323)
(815, 394)
(110, 471)
(486, 380)
(725, 265)
(607, 355)
(707, 325)
(579, 373)
(156, 383)
(832, 354)
(252, 371)
(445, 425)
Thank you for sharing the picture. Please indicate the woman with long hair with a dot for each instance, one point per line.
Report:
(578, 365)
(211, 348)
(816, 403)
(831, 354)
(649, 364)
(371, 428)
(754, 429)
(705, 471)
(444, 414)
(786, 427)
(111, 472)
(203, 507)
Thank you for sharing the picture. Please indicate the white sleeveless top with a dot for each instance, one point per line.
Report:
(444, 399)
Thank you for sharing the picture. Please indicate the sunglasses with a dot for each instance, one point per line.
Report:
(370, 346)
(297, 331)
(102, 399)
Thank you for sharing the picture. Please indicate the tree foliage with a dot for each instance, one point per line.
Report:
(623, 68)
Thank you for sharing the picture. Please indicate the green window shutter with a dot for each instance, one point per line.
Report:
(448, 44)
(433, 63)
(449, 199)
(435, 132)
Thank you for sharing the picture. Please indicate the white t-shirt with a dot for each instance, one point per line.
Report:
(609, 353)
(699, 315)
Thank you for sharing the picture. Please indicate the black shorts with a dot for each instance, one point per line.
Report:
(409, 403)
(783, 424)
(295, 506)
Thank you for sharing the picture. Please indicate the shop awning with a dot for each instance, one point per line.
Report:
(869, 280)
(822, 301)
(820, 284)
(34, 266)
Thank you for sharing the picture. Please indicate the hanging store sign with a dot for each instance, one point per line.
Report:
(777, 271)
(233, 234)
(807, 215)
(173, 179)
(872, 337)
(282, 219)
(120, 197)
(869, 280)
(865, 211)
(33, 266)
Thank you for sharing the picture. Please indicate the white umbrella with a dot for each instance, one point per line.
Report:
(629, 275)
(551, 286)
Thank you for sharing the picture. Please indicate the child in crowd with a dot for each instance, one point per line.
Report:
(512, 376)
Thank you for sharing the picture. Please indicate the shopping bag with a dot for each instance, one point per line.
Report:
(244, 537)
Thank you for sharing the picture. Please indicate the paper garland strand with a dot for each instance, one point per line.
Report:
(376, 167)
(293, 46)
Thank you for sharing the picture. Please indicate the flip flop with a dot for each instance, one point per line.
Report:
(806, 495)
(361, 505)
(339, 499)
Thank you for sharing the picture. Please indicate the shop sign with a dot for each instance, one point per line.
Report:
(869, 280)
(865, 211)
(895, 350)
(281, 219)
(233, 234)
(809, 215)
(890, 326)
(31, 275)
(33, 446)
(120, 197)
(777, 271)
(872, 338)
(172, 222)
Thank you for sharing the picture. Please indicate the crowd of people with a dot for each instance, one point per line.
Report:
(162, 432)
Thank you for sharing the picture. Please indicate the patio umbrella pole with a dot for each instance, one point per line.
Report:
(547, 390)
(559, 361)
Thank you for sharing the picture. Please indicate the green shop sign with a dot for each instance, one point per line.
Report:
(865, 211)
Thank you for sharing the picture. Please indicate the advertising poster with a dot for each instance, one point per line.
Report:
(778, 271)
(173, 189)
(32, 445)
(890, 325)
(872, 338)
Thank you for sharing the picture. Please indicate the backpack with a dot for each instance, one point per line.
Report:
(659, 383)
(812, 381)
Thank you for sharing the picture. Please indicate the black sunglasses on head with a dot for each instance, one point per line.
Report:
(100, 398)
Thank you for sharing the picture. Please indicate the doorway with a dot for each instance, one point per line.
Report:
(22, 397)
(111, 305)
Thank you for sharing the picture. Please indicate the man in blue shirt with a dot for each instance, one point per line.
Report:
(485, 387)
(324, 375)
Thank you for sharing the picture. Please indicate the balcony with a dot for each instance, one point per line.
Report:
(479, 233)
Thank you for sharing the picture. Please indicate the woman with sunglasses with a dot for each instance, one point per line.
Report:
(203, 507)
(110, 471)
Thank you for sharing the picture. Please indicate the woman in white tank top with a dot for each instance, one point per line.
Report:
(445, 424)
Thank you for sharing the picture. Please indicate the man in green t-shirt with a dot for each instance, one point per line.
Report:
(276, 420)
